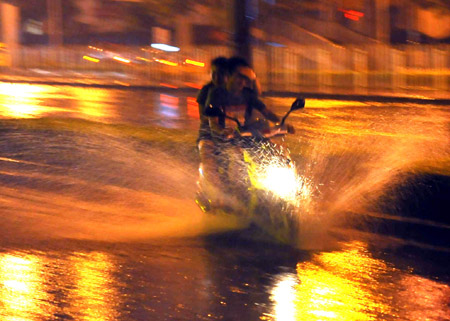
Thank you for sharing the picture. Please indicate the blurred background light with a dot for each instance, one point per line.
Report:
(165, 47)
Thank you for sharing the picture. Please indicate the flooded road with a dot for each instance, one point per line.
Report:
(98, 220)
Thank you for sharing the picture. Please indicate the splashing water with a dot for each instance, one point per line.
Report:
(351, 163)
(78, 180)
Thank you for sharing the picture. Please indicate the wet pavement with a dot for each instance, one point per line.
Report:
(98, 219)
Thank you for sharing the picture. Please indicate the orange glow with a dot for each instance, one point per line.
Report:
(167, 85)
(91, 59)
(143, 59)
(121, 59)
(95, 48)
(122, 83)
(352, 14)
(355, 13)
(351, 17)
(166, 62)
(195, 63)
(192, 107)
(193, 85)
(434, 23)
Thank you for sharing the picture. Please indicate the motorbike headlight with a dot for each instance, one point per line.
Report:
(282, 181)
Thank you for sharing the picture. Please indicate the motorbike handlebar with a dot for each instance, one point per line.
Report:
(273, 131)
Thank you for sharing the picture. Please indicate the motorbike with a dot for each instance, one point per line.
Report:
(259, 177)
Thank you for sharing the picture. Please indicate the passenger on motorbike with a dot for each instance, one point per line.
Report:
(254, 84)
(235, 99)
(205, 144)
(218, 77)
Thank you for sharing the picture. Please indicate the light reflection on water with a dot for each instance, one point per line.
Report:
(168, 105)
(36, 101)
(93, 104)
(35, 287)
(28, 101)
(352, 285)
(22, 100)
(340, 285)
(21, 287)
(347, 284)
(94, 294)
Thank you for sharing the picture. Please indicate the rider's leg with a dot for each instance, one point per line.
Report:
(208, 159)
(210, 171)
(235, 164)
(220, 192)
(236, 172)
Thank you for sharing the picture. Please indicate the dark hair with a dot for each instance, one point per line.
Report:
(235, 62)
(220, 62)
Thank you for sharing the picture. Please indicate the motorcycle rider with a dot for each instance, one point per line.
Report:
(218, 77)
(205, 143)
(234, 99)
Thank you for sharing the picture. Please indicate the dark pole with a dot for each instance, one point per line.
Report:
(242, 30)
(54, 18)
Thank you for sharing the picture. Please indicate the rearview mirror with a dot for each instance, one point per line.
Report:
(299, 103)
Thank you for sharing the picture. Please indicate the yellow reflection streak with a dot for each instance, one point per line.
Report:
(95, 297)
(329, 103)
(21, 292)
(318, 103)
(91, 59)
(93, 103)
(284, 295)
(167, 62)
(195, 63)
(22, 100)
(121, 59)
(333, 286)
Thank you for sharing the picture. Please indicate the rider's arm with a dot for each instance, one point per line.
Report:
(270, 115)
(261, 107)
(202, 96)
(214, 110)
(215, 102)
(256, 86)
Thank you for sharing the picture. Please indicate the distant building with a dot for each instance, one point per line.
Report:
(363, 21)
(82, 22)
(210, 23)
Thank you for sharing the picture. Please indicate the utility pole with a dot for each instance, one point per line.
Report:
(54, 22)
(242, 39)
(382, 20)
